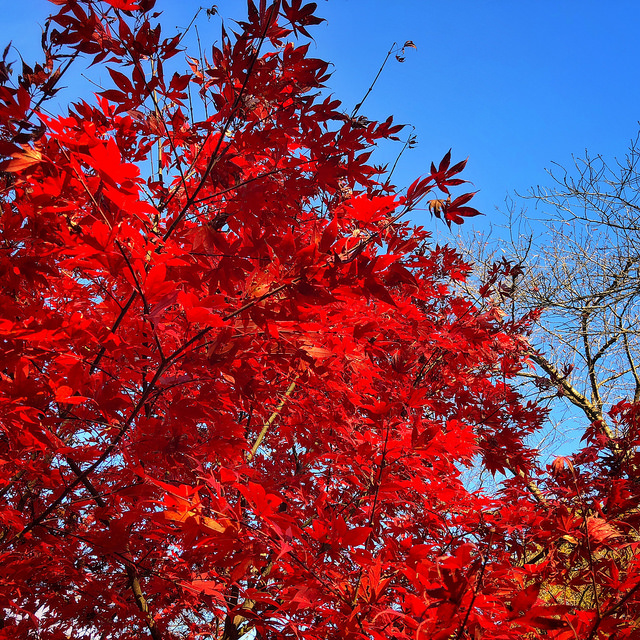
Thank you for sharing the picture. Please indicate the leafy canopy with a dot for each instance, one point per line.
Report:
(239, 389)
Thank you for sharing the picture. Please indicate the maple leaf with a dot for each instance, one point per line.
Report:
(22, 160)
(236, 380)
(600, 531)
(560, 463)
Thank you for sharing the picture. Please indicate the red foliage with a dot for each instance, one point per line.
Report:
(238, 394)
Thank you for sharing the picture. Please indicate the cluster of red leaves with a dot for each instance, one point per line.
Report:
(237, 395)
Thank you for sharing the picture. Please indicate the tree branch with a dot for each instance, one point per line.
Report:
(141, 601)
(593, 413)
(270, 421)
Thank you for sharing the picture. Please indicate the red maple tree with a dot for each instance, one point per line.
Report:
(239, 390)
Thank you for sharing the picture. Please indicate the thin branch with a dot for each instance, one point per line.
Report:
(270, 421)
(141, 601)
(632, 364)
(394, 47)
(592, 412)
(604, 348)
(476, 588)
(596, 400)
(407, 145)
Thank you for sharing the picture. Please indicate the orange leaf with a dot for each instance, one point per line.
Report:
(21, 161)
(600, 531)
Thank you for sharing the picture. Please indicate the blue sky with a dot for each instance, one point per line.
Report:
(514, 86)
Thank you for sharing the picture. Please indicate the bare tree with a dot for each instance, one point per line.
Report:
(579, 264)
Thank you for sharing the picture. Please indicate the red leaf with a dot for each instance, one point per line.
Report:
(600, 531)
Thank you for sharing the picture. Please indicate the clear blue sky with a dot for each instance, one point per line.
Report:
(512, 85)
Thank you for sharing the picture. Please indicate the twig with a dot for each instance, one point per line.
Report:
(394, 47)
(476, 588)
(270, 421)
